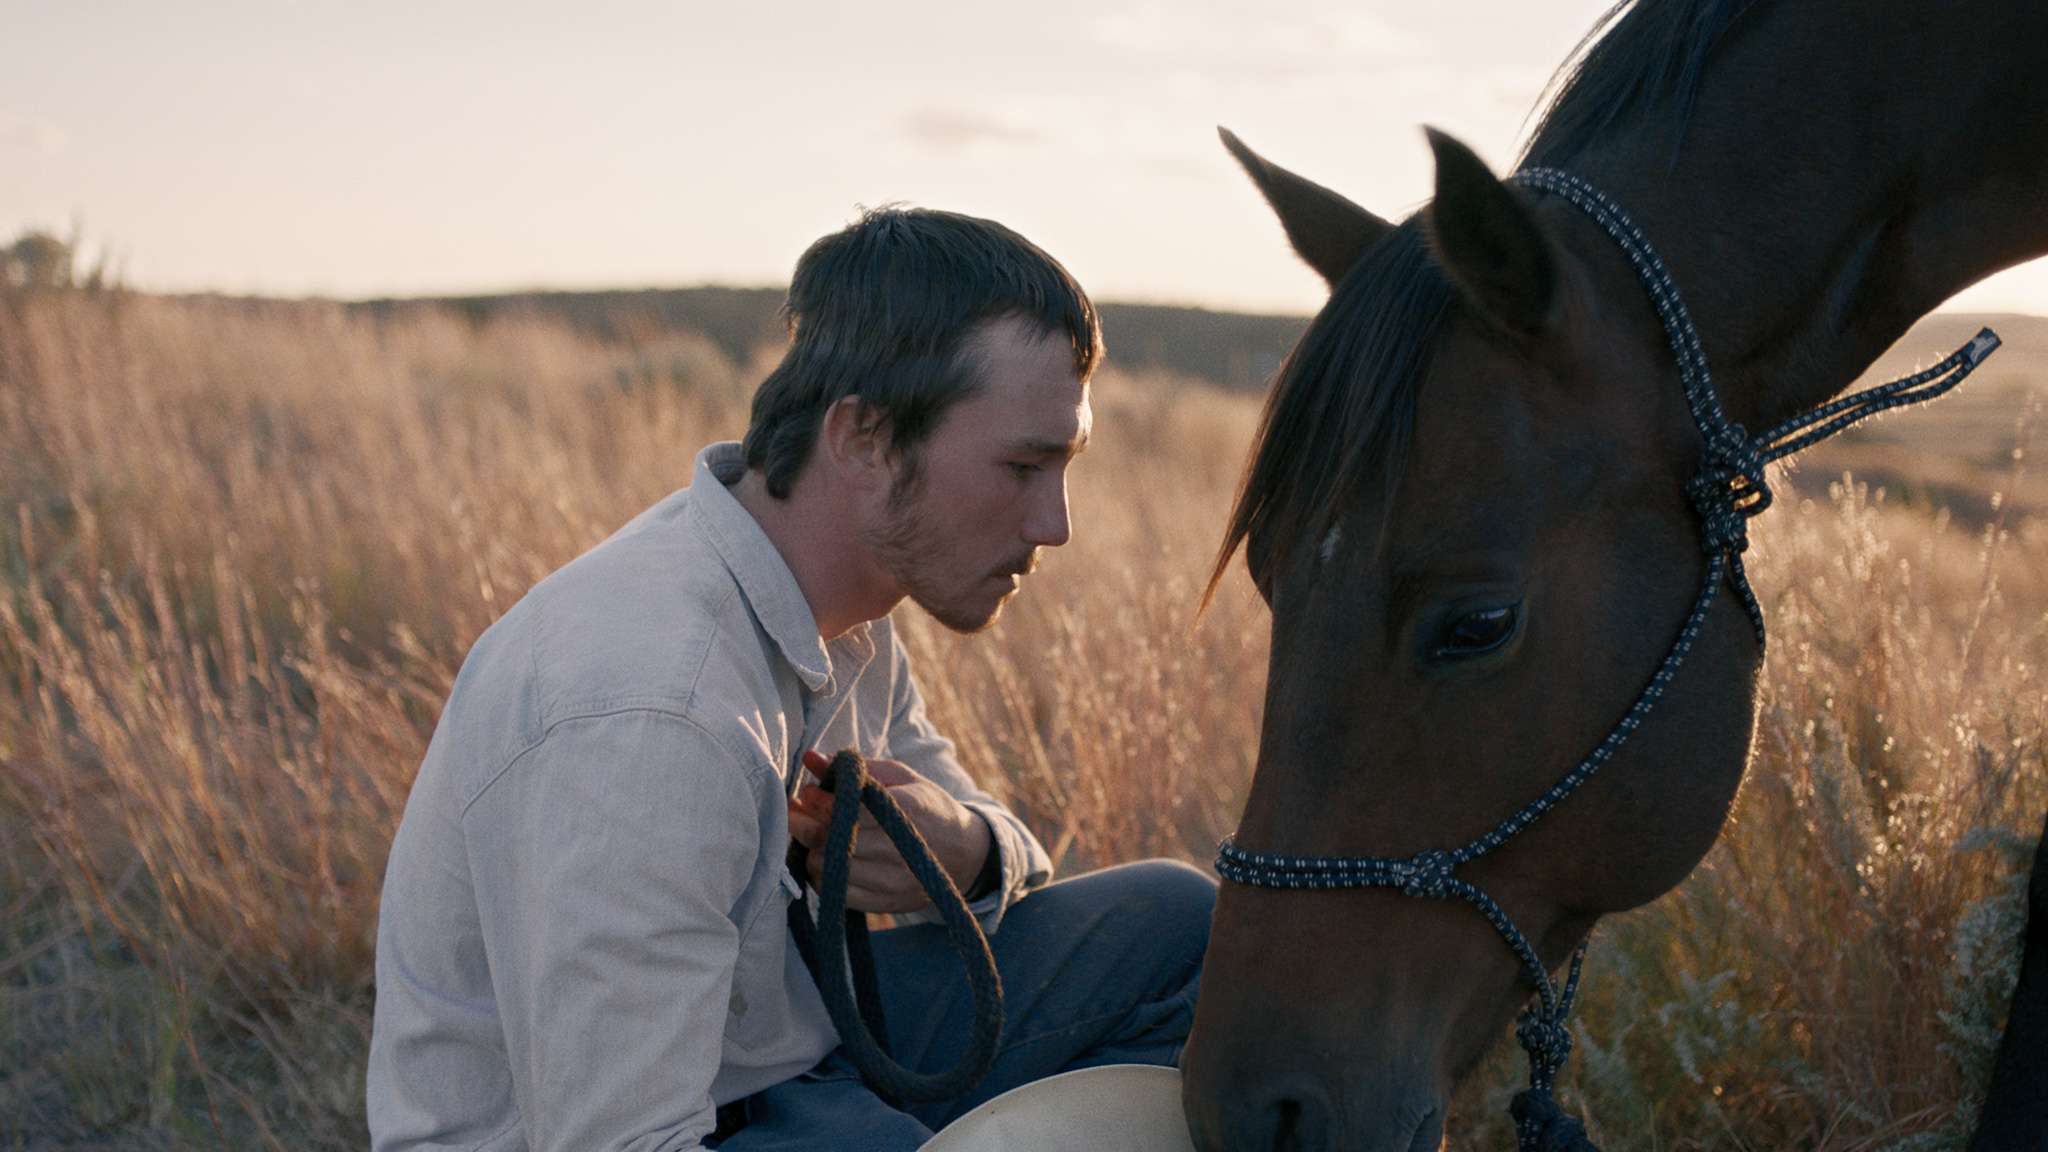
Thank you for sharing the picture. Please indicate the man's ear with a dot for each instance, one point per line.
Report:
(855, 438)
(1489, 243)
(1327, 230)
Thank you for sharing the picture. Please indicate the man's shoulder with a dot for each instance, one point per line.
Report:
(640, 620)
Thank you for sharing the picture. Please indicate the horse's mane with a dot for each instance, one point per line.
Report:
(1641, 55)
(1342, 410)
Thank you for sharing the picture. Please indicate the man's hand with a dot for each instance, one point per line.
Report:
(879, 880)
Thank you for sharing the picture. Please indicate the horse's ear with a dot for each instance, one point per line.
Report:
(1489, 242)
(1327, 230)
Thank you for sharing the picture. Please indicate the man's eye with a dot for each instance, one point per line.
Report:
(1478, 632)
(1024, 471)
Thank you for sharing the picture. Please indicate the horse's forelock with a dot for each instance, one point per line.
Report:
(1338, 421)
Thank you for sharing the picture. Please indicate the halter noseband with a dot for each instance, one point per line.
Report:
(1728, 489)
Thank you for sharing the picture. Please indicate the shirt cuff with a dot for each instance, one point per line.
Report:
(990, 878)
(1021, 864)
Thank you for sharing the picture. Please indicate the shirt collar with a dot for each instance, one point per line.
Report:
(764, 576)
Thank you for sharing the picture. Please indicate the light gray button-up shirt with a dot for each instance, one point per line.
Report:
(583, 942)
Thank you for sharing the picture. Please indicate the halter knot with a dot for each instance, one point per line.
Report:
(1548, 1043)
(1428, 874)
(1728, 489)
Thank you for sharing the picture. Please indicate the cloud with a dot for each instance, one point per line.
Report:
(953, 130)
(19, 129)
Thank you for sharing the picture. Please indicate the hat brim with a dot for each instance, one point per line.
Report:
(1111, 1108)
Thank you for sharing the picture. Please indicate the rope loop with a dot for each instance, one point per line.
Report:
(835, 948)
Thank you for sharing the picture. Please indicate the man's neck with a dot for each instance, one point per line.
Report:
(815, 533)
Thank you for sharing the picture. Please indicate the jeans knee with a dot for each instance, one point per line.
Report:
(1177, 882)
(1170, 900)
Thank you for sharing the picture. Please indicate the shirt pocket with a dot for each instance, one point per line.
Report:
(758, 1021)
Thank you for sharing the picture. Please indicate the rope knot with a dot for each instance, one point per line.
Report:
(1428, 875)
(1728, 489)
(1548, 1043)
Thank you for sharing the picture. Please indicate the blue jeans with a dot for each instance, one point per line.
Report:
(1099, 969)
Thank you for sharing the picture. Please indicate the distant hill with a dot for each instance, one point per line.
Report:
(1235, 350)
(738, 320)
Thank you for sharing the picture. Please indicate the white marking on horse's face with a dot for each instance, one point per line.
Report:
(1329, 548)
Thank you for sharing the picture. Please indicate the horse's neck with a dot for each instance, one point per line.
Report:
(1848, 167)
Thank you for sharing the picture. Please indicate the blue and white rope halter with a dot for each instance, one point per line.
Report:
(1728, 489)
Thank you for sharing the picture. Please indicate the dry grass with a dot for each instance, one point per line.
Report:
(245, 549)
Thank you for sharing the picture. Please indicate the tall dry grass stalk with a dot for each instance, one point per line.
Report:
(246, 547)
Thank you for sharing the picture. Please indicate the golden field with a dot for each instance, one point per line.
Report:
(243, 549)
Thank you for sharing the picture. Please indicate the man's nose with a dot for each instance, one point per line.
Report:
(1050, 525)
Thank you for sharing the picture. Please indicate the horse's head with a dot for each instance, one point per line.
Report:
(1467, 512)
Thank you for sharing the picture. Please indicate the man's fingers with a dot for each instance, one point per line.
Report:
(890, 773)
(884, 771)
(817, 808)
(878, 880)
(814, 804)
(806, 829)
(822, 813)
(873, 846)
(885, 897)
(873, 886)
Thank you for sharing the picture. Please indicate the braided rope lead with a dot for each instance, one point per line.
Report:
(860, 1024)
(1729, 489)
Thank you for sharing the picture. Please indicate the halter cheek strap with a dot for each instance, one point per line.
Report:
(1726, 492)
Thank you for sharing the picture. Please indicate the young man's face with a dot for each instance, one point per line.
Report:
(990, 488)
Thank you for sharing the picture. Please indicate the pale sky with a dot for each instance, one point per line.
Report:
(374, 147)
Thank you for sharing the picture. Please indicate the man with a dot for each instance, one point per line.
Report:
(583, 943)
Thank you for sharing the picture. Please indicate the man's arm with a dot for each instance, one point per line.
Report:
(1022, 861)
(609, 861)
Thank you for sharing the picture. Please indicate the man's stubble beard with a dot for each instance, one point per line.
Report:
(900, 543)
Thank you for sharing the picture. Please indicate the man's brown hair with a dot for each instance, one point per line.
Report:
(882, 309)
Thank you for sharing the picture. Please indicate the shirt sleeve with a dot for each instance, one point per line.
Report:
(611, 859)
(912, 740)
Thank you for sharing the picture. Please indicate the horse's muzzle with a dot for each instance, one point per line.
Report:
(1307, 1123)
(1270, 1110)
(1281, 1124)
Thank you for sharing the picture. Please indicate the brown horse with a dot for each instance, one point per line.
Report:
(1468, 510)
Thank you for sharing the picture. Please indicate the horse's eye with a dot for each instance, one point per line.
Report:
(1476, 633)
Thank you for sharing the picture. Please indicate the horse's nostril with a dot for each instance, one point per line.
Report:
(1287, 1128)
(1298, 1125)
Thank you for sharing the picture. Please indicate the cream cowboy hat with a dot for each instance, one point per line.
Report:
(1113, 1108)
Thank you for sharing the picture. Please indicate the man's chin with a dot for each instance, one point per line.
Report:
(966, 619)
